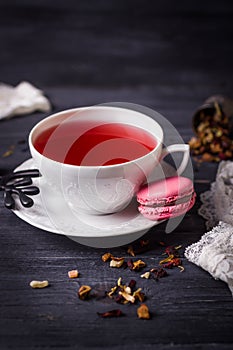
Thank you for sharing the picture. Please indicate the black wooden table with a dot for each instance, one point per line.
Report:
(168, 56)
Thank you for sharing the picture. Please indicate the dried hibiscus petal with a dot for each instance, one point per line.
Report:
(144, 243)
(172, 250)
(130, 264)
(158, 273)
(139, 248)
(132, 284)
(172, 263)
(111, 313)
(119, 299)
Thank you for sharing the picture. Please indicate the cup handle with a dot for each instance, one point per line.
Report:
(177, 148)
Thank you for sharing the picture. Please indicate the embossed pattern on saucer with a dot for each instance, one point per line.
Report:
(51, 213)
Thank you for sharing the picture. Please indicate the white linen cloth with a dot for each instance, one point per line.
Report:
(22, 99)
(214, 251)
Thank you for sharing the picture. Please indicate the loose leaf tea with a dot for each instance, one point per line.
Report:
(213, 140)
(173, 258)
(123, 293)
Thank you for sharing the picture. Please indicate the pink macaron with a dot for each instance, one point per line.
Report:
(166, 198)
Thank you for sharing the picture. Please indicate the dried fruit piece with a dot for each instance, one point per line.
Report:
(116, 263)
(73, 274)
(39, 284)
(111, 313)
(83, 292)
(146, 275)
(143, 312)
(181, 268)
(130, 250)
(127, 297)
(106, 257)
(135, 265)
(169, 258)
(119, 282)
(139, 295)
(112, 291)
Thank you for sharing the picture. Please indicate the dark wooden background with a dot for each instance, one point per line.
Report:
(167, 55)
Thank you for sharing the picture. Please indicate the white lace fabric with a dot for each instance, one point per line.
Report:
(214, 251)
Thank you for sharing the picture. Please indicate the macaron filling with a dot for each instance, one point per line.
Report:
(166, 198)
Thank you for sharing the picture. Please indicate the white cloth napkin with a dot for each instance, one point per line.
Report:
(214, 251)
(22, 99)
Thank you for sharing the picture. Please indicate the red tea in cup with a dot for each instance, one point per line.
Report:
(89, 144)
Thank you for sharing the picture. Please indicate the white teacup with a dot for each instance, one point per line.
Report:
(101, 189)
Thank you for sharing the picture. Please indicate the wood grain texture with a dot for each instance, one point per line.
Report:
(166, 55)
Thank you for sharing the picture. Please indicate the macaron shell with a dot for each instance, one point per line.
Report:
(167, 212)
(165, 191)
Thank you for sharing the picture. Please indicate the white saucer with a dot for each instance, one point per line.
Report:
(51, 213)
